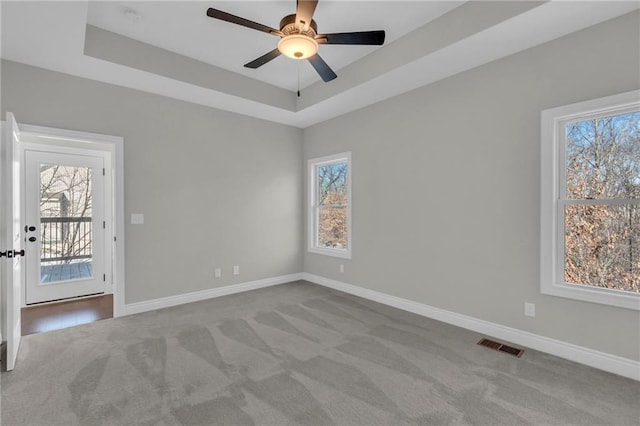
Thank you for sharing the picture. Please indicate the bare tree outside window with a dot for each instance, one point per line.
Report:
(65, 213)
(332, 203)
(602, 235)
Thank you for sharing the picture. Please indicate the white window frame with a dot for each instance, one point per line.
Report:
(552, 184)
(313, 208)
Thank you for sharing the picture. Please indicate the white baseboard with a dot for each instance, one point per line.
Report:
(600, 360)
(166, 302)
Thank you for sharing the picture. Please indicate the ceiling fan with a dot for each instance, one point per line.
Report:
(299, 38)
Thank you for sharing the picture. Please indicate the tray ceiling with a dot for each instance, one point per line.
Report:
(174, 49)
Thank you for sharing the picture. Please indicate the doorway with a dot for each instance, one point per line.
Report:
(66, 215)
(51, 147)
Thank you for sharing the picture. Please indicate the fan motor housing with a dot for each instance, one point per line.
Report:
(288, 27)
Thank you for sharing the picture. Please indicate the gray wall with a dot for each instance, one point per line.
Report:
(446, 187)
(216, 188)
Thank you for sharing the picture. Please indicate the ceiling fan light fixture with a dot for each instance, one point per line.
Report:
(298, 46)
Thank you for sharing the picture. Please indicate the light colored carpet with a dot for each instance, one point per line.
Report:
(297, 354)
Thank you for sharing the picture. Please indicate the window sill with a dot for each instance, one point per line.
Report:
(344, 254)
(594, 295)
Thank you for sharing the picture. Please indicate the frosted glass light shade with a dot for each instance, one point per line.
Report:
(298, 46)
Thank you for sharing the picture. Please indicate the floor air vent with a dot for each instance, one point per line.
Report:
(501, 347)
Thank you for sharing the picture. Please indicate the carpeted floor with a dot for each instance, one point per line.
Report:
(297, 354)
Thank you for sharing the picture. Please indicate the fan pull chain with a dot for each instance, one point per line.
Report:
(298, 78)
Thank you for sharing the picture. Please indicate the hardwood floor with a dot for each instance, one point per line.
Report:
(55, 316)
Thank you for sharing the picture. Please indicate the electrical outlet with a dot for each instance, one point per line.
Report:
(236, 270)
(218, 273)
(529, 309)
(341, 268)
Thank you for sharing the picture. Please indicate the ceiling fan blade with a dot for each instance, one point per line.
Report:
(218, 14)
(360, 37)
(263, 59)
(326, 73)
(304, 13)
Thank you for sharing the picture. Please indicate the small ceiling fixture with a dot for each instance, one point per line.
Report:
(131, 14)
(299, 38)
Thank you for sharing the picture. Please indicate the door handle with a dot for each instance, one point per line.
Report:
(29, 228)
(32, 239)
(12, 253)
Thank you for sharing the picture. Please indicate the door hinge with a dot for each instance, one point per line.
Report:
(103, 172)
(115, 239)
(104, 277)
(104, 225)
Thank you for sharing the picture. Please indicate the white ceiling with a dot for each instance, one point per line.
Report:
(424, 44)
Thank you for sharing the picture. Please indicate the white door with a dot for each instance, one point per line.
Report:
(65, 226)
(12, 241)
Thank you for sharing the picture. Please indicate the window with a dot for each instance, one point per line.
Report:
(330, 205)
(590, 201)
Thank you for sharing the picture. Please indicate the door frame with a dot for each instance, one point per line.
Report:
(47, 138)
(102, 206)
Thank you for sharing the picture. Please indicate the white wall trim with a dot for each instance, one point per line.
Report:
(553, 198)
(596, 359)
(115, 146)
(600, 360)
(196, 296)
(312, 223)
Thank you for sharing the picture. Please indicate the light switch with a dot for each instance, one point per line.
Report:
(137, 219)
